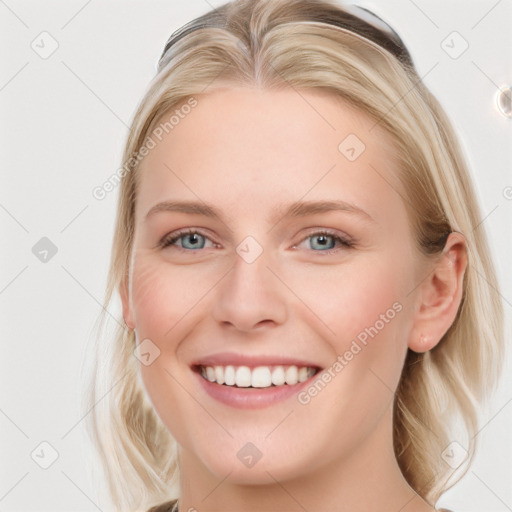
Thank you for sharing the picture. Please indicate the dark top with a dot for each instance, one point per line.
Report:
(165, 507)
(169, 507)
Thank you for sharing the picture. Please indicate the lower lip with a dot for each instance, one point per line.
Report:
(251, 398)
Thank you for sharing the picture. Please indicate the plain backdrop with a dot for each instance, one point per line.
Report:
(72, 73)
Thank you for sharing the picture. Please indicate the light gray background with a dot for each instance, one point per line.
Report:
(63, 122)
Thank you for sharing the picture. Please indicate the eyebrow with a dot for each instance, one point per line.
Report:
(293, 210)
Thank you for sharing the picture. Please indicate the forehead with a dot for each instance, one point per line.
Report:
(269, 145)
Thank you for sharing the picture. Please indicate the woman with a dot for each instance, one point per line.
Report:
(308, 307)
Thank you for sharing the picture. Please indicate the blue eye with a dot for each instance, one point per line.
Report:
(190, 240)
(324, 241)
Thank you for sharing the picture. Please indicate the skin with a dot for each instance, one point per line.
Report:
(272, 148)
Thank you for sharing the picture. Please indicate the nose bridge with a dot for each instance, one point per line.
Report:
(250, 294)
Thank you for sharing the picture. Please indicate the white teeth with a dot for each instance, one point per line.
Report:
(219, 374)
(278, 376)
(302, 374)
(261, 377)
(229, 375)
(243, 377)
(210, 374)
(291, 375)
(258, 377)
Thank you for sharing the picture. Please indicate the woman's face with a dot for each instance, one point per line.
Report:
(301, 260)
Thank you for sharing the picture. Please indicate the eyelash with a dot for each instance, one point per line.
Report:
(172, 238)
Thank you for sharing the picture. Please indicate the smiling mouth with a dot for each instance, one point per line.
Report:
(256, 377)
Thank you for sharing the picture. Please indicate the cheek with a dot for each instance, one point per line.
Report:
(163, 295)
(351, 297)
(362, 303)
(166, 301)
(152, 299)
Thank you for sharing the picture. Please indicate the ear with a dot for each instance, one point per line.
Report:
(439, 296)
(124, 291)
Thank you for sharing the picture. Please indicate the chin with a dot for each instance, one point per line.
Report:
(256, 463)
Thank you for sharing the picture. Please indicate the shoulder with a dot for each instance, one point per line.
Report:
(164, 507)
(168, 507)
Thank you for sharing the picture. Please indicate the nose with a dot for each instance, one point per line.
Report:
(250, 297)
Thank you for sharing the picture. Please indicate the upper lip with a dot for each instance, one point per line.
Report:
(234, 359)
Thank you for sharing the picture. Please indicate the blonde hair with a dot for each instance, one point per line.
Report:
(302, 43)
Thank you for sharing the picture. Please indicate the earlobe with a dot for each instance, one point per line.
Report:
(440, 296)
